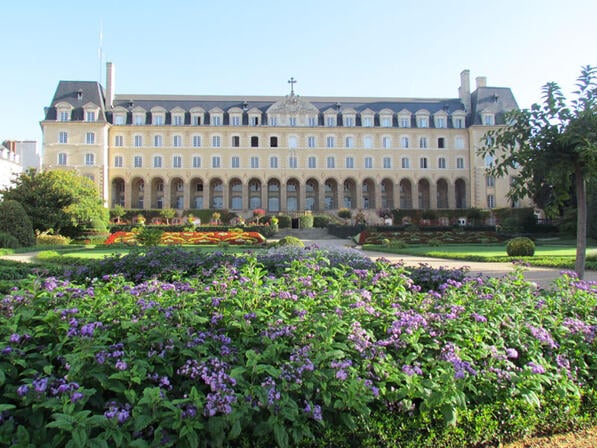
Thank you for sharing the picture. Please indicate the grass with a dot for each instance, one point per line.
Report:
(547, 254)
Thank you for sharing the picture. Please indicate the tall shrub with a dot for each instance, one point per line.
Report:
(14, 221)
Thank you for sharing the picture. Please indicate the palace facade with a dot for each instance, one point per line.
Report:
(283, 154)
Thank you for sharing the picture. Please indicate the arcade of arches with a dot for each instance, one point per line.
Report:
(292, 195)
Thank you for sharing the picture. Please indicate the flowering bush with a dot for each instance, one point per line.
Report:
(236, 237)
(315, 355)
(417, 237)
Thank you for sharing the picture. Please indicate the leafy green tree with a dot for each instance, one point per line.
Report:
(15, 222)
(550, 152)
(118, 212)
(167, 214)
(61, 200)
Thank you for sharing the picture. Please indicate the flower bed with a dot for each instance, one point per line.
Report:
(240, 238)
(418, 237)
(318, 355)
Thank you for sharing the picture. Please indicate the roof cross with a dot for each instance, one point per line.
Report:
(292, 82)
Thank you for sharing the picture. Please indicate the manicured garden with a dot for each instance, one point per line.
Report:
(290, 347)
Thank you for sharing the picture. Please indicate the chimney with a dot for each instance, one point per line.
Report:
(481, 81)
(110, 72)
(464, 91)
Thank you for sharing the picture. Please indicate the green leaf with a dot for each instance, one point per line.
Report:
(450, 413)
(79, 438)
(280, 435)
(235, 430)
(62, 421)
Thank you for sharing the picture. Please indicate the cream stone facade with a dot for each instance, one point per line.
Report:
(283, 154)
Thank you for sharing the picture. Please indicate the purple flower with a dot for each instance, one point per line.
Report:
(121, 365)
(511, 353)
(22, 390)
(412, 370)
(536, 368)
(543, 336)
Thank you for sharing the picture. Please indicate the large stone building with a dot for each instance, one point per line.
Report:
(10, 164)
(283, 154)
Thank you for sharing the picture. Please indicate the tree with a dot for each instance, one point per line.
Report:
(168, 214)
(61, 200)
(550, 151)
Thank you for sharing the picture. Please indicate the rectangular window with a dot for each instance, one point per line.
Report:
(90, 138)
(367, 122)
(119, 119)
(177, 162)
(405, 163)
(196, 141)
(292, 121)
(490, 181)
(349, 122)
(423, 122)
(254, 121)
(387, 142)
(490, 201)
(64, 115)
(292, 162)
(349, 142)
(235, 141)
(157, 141)
(216, 141)
(441, 163)
(459, 142)
(138, 141)
(157, 161)
(423, 163)
(330, 141)
(139, 119)
(331, 163)
(458, 123)
(138, 162)
(158, 120)
(404, 122)
(368, 162)
(368, 142)
(196, 120)
(311, 142)
(89, 159)
(235, 162)
(330, 121)
(349, 162)
(273, 142)
(235, 121)
(440, 122)
(273, 121)
(292, 142)
(386, 122)
(273, 162)
(312, 121)
(177, 120)
(118, 162)
(215, 162)
(423, 142)
(254, 162)
(404, 142)
(488, 120)
(312, 162)
(196, 162)
(460, 163)
(118, 140)
(387, 162)
(62, 159)
(90, 115)
(254, 142)
(441, 143)
(63, 137)
(177, 141)
(216, 120)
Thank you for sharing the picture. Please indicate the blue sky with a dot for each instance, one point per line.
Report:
(378, 48)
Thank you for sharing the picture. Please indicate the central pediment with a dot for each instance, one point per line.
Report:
(292, 105)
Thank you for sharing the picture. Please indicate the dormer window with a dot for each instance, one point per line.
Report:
(177, 120)
(440, 120)
(158, 120)
(64, 115)
(216, 117)
(139, 119)
(312, 121)
(216, 120)
(63, 111)
(404, 119)
(385, 118)
(330, 121)
(90, 115)
(367, 122)
(197, 114)
(422, 122)
(488, 119)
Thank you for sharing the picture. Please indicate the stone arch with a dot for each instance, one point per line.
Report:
(235, 194)
(406, 194)
(368, 193)
(197, 196)
(118, 191)
(255, 193)
(293, 195)
(330, 194)
(157, 192)
(460, 193)
(424, 194)
(312, 194)
(274, 200)
(177, 188)
(216, 194)
(349, 193)
(442, 193)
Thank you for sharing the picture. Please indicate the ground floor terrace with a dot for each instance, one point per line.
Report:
(290, 195)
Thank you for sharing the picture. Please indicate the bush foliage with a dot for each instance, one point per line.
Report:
(14, 221)
(300, 347)
(520, 247)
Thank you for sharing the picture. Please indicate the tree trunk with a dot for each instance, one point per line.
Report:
(581, 223)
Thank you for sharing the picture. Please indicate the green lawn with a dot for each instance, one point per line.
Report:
(548, 254)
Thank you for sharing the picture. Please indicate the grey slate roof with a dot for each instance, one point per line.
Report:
(68, 92)
(494, 99)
